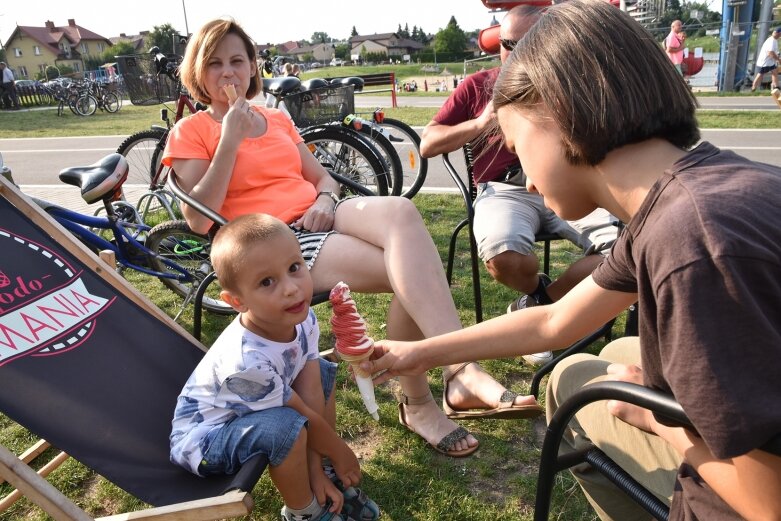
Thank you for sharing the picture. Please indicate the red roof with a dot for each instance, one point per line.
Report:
(51, 35)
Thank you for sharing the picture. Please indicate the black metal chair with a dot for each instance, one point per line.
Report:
(551, 462)
(468, 191)
(349, 186)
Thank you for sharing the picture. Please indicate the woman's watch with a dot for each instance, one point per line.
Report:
(332, 195)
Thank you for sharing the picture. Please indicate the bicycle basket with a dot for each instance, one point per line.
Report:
(319, 106)
(143, 84)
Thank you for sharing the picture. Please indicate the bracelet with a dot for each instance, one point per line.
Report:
(332, 195)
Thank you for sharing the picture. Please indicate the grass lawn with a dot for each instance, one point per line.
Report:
(406, 477)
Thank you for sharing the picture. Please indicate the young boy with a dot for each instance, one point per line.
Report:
(262, 387)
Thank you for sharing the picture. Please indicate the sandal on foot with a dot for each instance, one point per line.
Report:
(506, 410)
(445, 445)
(357, 505)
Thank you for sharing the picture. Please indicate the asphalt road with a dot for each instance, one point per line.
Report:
(37, 161)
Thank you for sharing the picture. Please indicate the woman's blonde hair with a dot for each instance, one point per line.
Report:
(601, 77)
(200, 49)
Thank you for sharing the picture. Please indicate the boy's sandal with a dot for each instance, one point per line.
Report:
(446, 444)
(506, 410)
(358, 506)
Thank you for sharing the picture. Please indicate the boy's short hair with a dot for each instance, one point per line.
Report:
(602, 78)
(200, 49)
(228, 251)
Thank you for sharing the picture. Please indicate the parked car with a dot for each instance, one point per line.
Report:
(315, 65)
(337, 62)
(24, 83)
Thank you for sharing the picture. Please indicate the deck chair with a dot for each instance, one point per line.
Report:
(468, 191)
(94, 368)
(349, 187)
(551, 462)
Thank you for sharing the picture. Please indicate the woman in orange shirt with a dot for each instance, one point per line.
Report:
(241, 159)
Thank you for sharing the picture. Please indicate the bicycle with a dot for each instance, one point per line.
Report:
(152, 79)
(171, 252)
(318, 111)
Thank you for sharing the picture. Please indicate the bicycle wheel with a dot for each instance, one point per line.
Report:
(143, 157)
(111, 102)
(347, 153)
(86, 105)
(389, 155)
(174, 241)
(407, 143)
(61, 107)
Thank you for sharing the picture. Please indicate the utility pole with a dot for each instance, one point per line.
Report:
(186, 28)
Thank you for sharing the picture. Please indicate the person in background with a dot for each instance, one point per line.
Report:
(768, 60)
(674, 45)
(8, 95)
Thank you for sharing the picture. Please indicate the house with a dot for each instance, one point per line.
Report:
(138, 40)
(30, 50)
(386, 43)
(321, 52)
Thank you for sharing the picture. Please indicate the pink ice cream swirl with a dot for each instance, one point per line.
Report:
(348, 326)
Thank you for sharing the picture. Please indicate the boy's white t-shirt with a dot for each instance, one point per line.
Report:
(241, 373)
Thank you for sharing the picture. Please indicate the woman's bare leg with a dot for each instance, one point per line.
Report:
(412, 271)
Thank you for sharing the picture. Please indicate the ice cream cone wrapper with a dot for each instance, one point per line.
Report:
(363, 380)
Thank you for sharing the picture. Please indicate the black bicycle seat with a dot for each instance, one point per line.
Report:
(314, 83)
(277, 86)
(97, 180)
(355, 81)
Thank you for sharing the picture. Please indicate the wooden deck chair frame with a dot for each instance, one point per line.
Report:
(468, 192)
(551, 462)
(51, 380)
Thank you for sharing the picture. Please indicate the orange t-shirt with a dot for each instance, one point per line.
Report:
(267, 174)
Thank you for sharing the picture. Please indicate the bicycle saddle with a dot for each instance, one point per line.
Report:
(314, 83)
(97, 180)
(277, 86)
(355, 81)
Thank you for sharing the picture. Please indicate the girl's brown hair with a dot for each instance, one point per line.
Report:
(602, 78)
(200, 49)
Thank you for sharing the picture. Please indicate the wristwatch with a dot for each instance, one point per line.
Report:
(333, 196)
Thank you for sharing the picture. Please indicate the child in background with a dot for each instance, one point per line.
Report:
(263, 388)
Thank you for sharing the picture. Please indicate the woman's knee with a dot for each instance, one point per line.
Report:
(624, 350)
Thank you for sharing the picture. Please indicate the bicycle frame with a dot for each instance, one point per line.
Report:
(129, 251)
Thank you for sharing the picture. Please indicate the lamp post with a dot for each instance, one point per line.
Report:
(186, 28)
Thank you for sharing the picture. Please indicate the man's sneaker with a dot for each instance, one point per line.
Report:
(527, 301)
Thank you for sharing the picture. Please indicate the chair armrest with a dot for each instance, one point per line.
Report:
(190, 201)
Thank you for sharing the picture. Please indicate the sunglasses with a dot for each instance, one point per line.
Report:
(508, 45)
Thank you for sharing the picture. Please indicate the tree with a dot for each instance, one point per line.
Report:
(164, 36)
(405, 33)
(118, 49)
(353, 32)
(342, 51)
(451, 39)
(320, 37)
(422, 38)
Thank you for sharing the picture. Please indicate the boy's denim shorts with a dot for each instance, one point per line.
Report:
(271, 432)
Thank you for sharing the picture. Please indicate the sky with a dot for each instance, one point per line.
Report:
(293, 21)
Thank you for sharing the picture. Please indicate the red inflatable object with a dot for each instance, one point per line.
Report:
(488, 40)
(692, 65)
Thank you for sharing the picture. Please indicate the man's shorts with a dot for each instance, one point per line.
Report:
(507, 218)
(765, 70)
(271, 432)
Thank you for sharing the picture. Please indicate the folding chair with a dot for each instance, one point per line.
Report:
(468, 191)
(94, 368)
(219, 220)
(551, 462)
